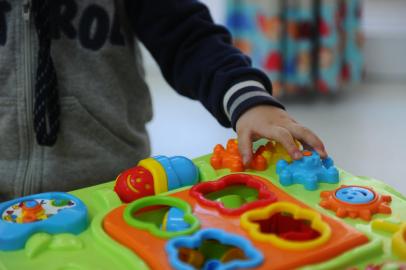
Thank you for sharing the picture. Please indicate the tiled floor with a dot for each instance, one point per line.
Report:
(364, 128)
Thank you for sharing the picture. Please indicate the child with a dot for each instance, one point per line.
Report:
(74, 107)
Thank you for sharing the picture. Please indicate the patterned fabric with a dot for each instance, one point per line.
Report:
(303, 45)
(46, 101)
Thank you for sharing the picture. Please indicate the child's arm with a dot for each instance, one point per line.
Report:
(198, 60)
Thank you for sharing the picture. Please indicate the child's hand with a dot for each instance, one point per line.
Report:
(271, 122)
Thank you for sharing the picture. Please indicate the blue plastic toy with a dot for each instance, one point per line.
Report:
(308, 171)
(180, 171)
(253, 256)
(52, 212)
(212, 265)
(355, 195)
(174, 221)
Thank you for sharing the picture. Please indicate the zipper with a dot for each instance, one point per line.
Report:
(27, 10)
(27, 181)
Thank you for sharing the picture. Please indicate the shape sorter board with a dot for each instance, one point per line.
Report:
(355, 243)
(152, 248)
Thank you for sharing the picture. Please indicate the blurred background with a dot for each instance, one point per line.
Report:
(339, 66)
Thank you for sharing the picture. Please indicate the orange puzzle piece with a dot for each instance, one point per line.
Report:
(265, 155)
(231, 158)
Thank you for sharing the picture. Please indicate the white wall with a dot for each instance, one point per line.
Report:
(384, 26)
(217, 9)
(384, 18)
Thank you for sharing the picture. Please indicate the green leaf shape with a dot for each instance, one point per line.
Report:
(41, 242)
(37, 244)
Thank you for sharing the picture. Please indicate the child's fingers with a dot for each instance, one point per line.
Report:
(245, 146)
(283, 136)
(308, 137)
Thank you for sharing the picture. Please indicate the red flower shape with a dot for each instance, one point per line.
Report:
(264, 197)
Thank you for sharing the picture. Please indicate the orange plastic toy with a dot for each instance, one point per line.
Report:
(231, 158)
(227, 158)
(375, 204)
(265, 155)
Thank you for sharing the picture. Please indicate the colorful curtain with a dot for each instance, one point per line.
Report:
(303, 45)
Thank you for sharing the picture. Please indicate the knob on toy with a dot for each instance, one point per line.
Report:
(155, 175)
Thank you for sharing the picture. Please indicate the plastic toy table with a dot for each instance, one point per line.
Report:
(212, 213)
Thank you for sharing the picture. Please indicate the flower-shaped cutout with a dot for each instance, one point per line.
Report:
(212, 249)
(240, 204)
(153, 203)
(355, 201)
(317, 234)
